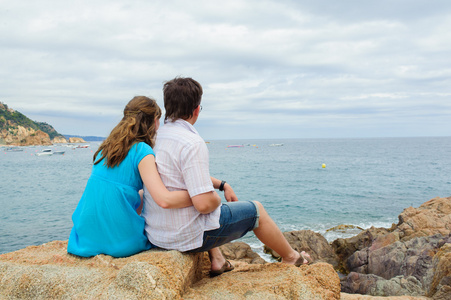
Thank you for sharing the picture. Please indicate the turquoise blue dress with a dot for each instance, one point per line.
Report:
(105, 220)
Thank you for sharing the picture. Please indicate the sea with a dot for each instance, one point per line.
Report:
(304, 184)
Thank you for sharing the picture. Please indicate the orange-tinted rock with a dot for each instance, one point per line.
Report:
(59, 140)
(76, 140)
(48, 272)
(432, 217)
(25, 136)
(270, 281)
(440, 288)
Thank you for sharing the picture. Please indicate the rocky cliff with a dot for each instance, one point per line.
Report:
(17, 129)
(24, 136)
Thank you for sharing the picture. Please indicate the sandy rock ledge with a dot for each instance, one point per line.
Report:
(48, 272)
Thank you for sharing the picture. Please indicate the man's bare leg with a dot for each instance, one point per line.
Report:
(270, 235)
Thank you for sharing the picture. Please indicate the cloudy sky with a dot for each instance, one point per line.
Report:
(269, 69)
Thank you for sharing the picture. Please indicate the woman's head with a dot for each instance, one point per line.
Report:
(140, 117)
(181, 97)
(139, 124)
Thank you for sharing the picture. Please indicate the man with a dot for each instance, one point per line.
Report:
(183, 163)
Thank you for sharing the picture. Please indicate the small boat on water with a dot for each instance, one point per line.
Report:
(275, 145)
(14, 149)
(48, 152)
(45, 152)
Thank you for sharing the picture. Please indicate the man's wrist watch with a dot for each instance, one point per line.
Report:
(221, 186)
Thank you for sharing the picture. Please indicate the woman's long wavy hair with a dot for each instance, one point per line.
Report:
(137, 125)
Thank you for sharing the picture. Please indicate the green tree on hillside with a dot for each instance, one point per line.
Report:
(11, 119)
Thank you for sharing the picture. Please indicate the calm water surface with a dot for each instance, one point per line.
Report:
(365, 182)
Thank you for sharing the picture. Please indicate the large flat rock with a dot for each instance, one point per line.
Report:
(49, 272)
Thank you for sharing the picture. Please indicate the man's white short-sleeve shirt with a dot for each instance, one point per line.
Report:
(183, 163)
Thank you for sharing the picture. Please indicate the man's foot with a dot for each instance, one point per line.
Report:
(225, 268)
(305, 259)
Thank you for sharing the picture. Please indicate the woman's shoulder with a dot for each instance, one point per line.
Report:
(142, 147)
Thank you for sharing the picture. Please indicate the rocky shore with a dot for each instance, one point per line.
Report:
(410, 260)
(22, 136)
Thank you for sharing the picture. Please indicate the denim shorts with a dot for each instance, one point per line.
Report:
(237, 219)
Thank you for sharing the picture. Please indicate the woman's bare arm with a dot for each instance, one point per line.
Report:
(160, 194)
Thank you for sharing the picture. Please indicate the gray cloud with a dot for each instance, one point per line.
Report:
(268, 68)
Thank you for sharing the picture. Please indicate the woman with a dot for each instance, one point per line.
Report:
(107, 220)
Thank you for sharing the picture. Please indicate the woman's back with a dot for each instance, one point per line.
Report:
(105, 220)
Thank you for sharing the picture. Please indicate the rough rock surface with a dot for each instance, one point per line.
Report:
(311, 242)
(48, 272)
(242, 252)
(22, 136)
(344, 248)
(345, 296)
(38, 138)
(432, 217)
(411, 258)
(370, 284)
(440, 288)
(270, 281)
(59, 140)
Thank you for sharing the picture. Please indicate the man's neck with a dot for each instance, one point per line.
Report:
(192, 120)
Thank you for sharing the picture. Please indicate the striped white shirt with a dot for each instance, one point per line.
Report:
(183, 163)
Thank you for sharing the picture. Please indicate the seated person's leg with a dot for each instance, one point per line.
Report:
(237, 219)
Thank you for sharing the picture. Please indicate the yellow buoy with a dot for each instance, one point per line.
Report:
(324, 165)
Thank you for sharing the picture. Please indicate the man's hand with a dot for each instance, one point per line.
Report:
(229, 194)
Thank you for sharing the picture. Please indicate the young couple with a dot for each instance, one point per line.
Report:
(182, 210)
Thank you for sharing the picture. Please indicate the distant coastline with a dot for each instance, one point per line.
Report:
(86, 138)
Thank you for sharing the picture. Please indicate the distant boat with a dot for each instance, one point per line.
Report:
(48, 152)
(275, 145)
(235, 146)
(45, 152)
(84, 146)
(14, 149)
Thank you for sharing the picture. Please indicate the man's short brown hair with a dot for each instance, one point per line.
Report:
(181, 97)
